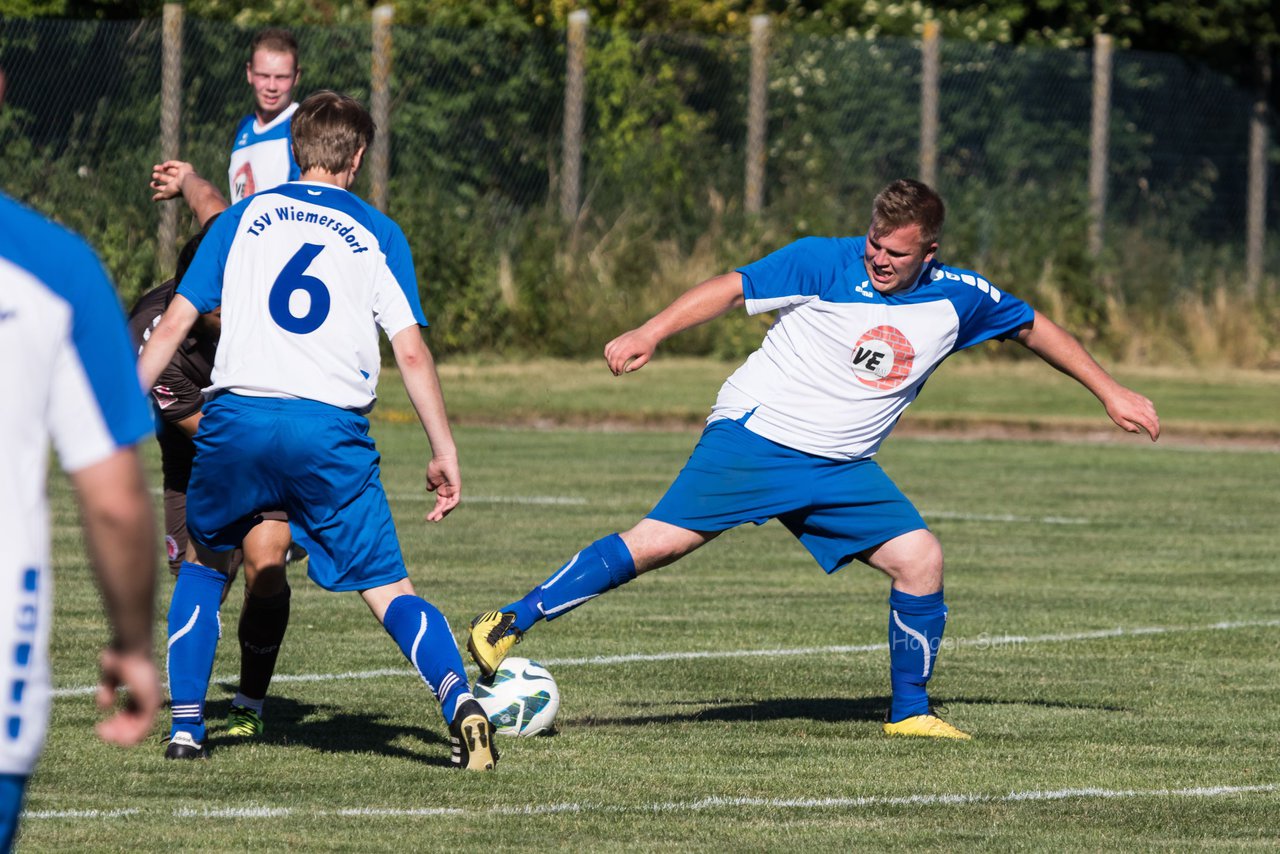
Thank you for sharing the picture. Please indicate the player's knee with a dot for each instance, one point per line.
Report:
(257, 564)
(264, 582)
(656, 544)
(913, 561)
(920, 572)
(931, 555)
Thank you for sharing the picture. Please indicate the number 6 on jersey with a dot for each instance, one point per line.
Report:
(292, 279)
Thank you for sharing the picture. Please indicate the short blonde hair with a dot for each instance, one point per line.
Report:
(328, 129)
(275, 40)
(907, 202)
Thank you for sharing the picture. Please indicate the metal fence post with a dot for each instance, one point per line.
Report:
(170, 127)
(757, 115)
(1256, 223)
(930, 63)
(574, 96)
(1098, 139)
(380, 107)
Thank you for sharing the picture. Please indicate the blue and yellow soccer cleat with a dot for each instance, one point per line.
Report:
(243, 722)
(471, 735)
(492, 636)
(925, 726)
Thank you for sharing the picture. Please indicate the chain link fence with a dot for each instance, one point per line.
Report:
(478, 158)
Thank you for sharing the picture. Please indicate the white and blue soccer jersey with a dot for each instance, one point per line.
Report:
(305, 275)
(842, 361)
(262, 155)
(69, 374)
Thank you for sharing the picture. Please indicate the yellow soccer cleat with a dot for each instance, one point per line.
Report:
(243, 722)
(925, 726)
(492, 636)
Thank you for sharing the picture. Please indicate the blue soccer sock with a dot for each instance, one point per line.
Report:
(423, 635)
(194, 629)
(915, 636)
(600, 567)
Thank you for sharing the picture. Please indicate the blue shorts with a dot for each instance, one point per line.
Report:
(314, 461)
(836, 508)
(12, 789)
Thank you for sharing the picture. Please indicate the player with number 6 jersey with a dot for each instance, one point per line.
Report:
(305, 275)
(278, 250)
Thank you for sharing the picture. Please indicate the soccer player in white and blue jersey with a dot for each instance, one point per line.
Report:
(861, 323)
(305, 275)
(69, 375)
(261, 151)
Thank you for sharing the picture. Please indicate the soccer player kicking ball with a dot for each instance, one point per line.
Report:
(862, 323)
(305, 274)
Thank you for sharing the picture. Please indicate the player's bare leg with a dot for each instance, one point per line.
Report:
(917, 617)
(424, 637)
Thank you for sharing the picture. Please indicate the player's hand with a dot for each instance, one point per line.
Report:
(136, 673)
(445, 480)
(630, 351)
(167, 178)
(1133, 413)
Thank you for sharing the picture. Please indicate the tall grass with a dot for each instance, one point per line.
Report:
(565, 289)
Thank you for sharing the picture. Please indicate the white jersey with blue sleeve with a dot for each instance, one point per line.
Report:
(262, 155)
(842, 361)
(305, 275)
(69, 374)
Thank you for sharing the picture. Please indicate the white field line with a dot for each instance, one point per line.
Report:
(579, 501)
(119, 813)
(552, 500)
(569, 500)
(698, 805)
(1004, 517)
(980, 642)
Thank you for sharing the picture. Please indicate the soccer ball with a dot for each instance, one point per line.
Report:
(520, 698)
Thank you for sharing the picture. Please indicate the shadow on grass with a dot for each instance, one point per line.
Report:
(825, 709)
(331, 729)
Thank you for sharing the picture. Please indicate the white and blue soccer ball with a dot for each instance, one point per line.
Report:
(520, 698)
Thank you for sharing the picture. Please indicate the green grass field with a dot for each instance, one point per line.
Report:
(1115, 624)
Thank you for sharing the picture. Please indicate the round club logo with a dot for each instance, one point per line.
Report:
(882, 358)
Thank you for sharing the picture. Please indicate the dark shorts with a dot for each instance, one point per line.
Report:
(837, 509)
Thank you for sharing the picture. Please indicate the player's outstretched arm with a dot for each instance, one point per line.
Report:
(422, 382)
(165, 339)
(631, 350)
(177, 177)
(1128, 409)
(120, 533)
